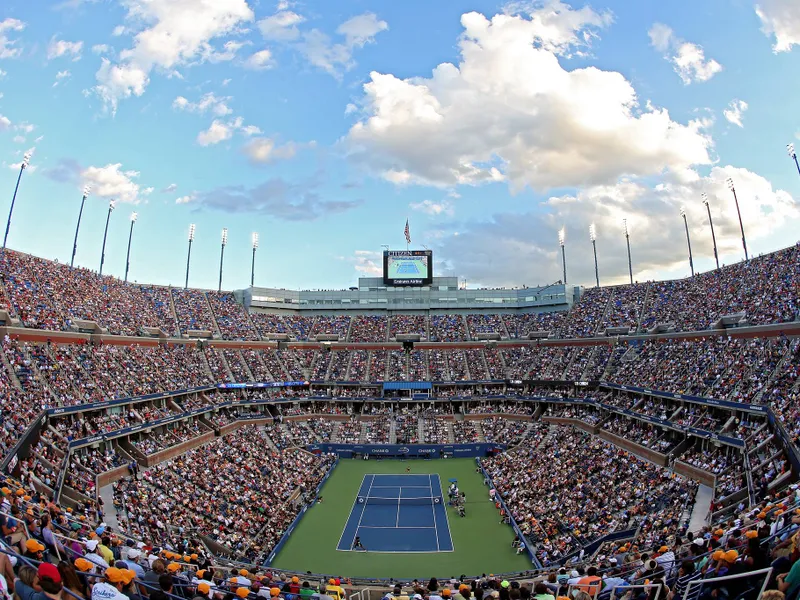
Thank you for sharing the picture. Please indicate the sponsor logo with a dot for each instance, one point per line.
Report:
(58, 411)
(376, 450)
(422, 450)
(403, 450)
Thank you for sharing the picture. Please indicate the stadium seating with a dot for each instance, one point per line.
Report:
(722, 408)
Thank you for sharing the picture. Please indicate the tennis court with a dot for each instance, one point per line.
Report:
(398, 513)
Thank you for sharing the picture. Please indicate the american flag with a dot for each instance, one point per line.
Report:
(407, 231)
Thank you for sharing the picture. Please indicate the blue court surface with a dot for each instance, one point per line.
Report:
(398, 513)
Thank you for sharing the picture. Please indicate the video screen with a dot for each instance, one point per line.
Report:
(407, 267)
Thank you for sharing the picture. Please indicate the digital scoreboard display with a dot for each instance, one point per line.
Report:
(407, 267)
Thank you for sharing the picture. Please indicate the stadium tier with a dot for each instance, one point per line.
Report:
(649, 433)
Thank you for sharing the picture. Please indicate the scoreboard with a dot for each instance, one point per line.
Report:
(407, 267)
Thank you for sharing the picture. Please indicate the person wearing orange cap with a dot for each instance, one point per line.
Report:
(243, 592)
(335, 590)
(294, 585)
(111, 586)
(83, 565)
(204, 589)
(34, 550)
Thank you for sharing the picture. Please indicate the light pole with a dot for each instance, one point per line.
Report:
(134, 216)
(593, 237)
(562, 236)
(739, 213)
(688, 239)
(189, 255)
(628, 241)
(86, 191)
(26, 159)
(222, 255)
(253, 266)
(711, 223)
(111, 206)
(793, 154)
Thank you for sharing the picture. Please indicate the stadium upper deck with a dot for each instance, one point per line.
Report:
(42, 294)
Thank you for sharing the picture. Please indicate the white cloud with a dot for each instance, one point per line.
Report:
(5, 123)
(251, 130)
(101, 49)
(61, 76)
(171, 34)
(112, 182)
(229, 52)
(361, 30)
(531, 122)
(688, 59)
(58, 48)
(429, 207)
(3, 73)
(557, 27)
(209, 102)
(780, 19)
(264, 150)
(367, 262)
(259, 61)
(19, 139)
(282, 26)
(185, 199)
(170, 188)
(735, 111)
(25, 126)
(512, 248)
(8, 47)
(321, 52)
(216, 133)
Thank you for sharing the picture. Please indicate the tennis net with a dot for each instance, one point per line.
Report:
(417, 501)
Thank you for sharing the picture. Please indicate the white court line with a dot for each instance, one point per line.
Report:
(351, 512)
(397, 522)
(422, 487)
(365, 506)
(433, 510)
(379, 527)
(447, 518)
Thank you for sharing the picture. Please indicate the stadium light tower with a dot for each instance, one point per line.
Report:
(562, 237)
(688, 239)
(134, 216)
(628, 241)
(222, 255)
(86, 191)
(253, 266)
(710, 222)
(793, 154)
(593, 237)
(26, 159)
(738, 212)
(189, 255)
(111, 206)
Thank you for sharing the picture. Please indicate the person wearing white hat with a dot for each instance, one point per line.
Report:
(93, 557)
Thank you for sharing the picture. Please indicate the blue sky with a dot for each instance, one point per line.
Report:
(324, 126)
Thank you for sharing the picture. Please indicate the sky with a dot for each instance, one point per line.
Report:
(324, 126)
